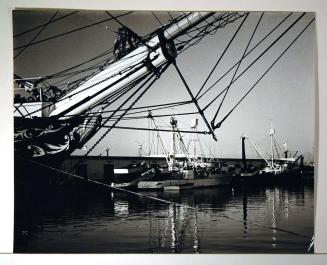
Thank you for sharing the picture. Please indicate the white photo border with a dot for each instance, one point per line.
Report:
(6, 127)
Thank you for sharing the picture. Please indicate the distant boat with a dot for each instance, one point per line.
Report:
(277, 169)
(187, 177)
(130, 175)
(189, 174)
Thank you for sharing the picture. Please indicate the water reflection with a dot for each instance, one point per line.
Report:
(245, 213)
(111, 222)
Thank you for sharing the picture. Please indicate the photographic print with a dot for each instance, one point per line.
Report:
(164, 132)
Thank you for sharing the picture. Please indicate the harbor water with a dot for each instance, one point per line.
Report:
(274, 219)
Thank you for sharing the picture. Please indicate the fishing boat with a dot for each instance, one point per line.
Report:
(130, 175)
(276, 170)
(187, 178)
(192, 173)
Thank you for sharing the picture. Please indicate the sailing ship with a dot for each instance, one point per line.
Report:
(61, 123)
(55, 121)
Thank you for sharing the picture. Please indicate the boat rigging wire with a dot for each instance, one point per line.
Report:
(155, 16)
(126, 100)
(139, 39)
(106, 52)
(36, 35)
(254, 47)
(194, 100)
(256, 59)
(276, 149)
(271, 66)
(144, 117)
(40, 26)
(159, 108)
(152, 76)
(102, 80)
(235, 72)
(159, 115)
(77, 82)
(71, 31)
(230, 17)
(159, 139)
(221, 56)
(178, 103)
(135, 69)
(148, 129)
(81, 80)
(109, 128)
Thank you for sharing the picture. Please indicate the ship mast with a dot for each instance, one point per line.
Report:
(271, 134)
(173, 149)
(129, 69)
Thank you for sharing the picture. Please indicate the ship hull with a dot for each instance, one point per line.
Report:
(194, 183)
(291, 177)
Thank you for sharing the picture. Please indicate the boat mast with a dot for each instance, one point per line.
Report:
(194, 124)
(173, 151)
(244, 164)
(257, 150)
(271, 134)
(132, 67)
(285, 150)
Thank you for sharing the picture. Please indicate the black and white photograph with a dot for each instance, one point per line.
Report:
(164, 131)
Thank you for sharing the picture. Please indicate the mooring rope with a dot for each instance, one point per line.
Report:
(169, 202)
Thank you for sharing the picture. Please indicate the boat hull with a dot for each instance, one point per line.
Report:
(194, 183)
(130, 184)
(290, 177)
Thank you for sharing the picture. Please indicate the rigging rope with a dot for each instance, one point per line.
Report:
(94, 84)
(30, 43)
(157, 19)
(78, 81)
(159, 115)
(235, 72)
(194, 101)
(40, 26)
(148, 129)
(231, 17)
(271, 66)
(168, 105)
(139, 39)
(133, 103)
(254, 47)
(72, 31)
(221, 56)
(256, 59)
(106, 52)
(112, 126)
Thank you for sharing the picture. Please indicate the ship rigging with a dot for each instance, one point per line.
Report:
(66, 109)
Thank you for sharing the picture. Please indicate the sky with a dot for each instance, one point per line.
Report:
(284, 98)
